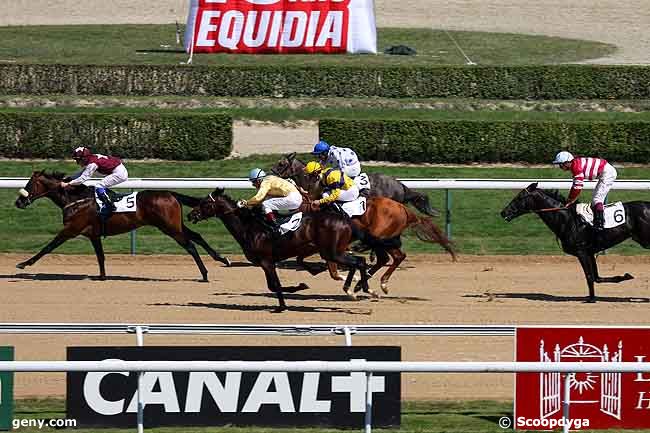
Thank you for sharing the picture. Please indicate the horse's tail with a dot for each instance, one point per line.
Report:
(427, 231)
(186, 199)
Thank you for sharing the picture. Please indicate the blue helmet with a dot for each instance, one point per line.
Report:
(256, 173)
(321, 147)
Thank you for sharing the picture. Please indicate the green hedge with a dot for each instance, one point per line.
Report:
(137, 136)
(486, 82)
(482, 141)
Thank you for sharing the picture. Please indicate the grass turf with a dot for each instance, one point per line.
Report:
(477, 227)
(156, 44)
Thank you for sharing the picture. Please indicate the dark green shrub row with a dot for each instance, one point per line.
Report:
(482, 141)
(137, 136)
(486, 82)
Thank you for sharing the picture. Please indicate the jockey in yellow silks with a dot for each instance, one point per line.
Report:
(338, 186)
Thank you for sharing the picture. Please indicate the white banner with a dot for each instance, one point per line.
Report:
(281, 26)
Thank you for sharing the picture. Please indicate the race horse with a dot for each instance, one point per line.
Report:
(161, 209)
(379, 228)
(381, 185)
(321, 233)
(577, 237)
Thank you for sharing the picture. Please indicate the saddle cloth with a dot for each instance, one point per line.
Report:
(354, 207)
(123, 203)
(290, 223)
(362, 181)
(614, 214)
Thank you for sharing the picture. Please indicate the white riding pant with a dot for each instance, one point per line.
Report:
(605, 182)
(352, 170)
(346, 194)
(119, 175)
(288, 203)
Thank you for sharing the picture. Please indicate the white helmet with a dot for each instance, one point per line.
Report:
(563, 157)
(255, 174)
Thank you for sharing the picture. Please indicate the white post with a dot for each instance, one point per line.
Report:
(348, 336)
(567, 401)
(189, 61)
(139, 338)
(368, 420)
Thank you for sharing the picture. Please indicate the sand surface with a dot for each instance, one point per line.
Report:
(507, 290)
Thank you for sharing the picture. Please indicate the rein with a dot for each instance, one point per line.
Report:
(76, 202)
(550, 209)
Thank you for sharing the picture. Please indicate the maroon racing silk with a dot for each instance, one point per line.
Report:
(105, 164)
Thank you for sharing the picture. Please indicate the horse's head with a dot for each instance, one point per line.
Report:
(215, 204)
(531, 199)
(288, 166)
(39, 185)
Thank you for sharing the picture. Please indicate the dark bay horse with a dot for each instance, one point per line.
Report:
(381, 185)
(576, 236)
(161, 209)
(327, 234)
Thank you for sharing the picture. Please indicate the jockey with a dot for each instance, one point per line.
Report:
(338, 185)
(110, 166)
(338, 157)
(274, 193)
(588, 168)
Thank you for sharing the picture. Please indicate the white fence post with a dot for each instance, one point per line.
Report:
(368, 417)
(567, 401)
(139, 337)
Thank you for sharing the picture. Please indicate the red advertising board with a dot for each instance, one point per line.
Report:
(605, 400)
(281, 26)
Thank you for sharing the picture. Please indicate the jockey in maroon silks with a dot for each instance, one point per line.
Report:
(110, 166)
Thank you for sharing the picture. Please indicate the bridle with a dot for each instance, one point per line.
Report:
(30, 200)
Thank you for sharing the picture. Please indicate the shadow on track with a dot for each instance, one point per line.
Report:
(82, 277)
(238, 307)
(552, 298)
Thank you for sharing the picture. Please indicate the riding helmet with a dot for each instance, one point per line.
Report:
(563, 157)
(321, 147)
(313, 167)
(256, 173)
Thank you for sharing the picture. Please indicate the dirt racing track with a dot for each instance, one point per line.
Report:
(427, 289)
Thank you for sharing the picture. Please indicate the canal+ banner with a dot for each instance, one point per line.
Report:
(281, 26)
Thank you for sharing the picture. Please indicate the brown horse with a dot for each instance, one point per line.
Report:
(161, 209)
(380, 227)
(324, 233)
(384, 221)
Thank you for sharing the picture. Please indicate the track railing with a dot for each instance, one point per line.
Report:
(367, 367)
(435, 184)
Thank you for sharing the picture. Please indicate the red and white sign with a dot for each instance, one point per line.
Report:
(281, 26)
(607, 400)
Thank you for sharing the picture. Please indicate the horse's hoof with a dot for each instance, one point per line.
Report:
(278, 310)
(351, 295)
(384, 287)
(628, 276)
(227, 263)
(22, 265)
(374, 294)
(101, 278)
(591, 300)
(303, 286)
(204, 280)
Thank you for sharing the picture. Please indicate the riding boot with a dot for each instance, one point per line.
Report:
(273, 225)
(599, 218)
(109, 206)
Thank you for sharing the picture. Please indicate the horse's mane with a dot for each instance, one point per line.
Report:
(554, 194)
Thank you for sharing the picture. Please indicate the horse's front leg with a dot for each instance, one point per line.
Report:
(588, 263)
(60, 238)
(273, 283)
(99, 252)
(614, 279)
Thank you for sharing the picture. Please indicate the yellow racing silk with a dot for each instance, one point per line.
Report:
(272, 186)
(333, 182)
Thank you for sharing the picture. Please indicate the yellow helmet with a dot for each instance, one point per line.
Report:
(313, 167)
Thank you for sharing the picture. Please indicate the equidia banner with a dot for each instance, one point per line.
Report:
(281, 26)
(209, 398)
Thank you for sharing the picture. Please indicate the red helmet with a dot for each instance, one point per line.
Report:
(81, 153)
